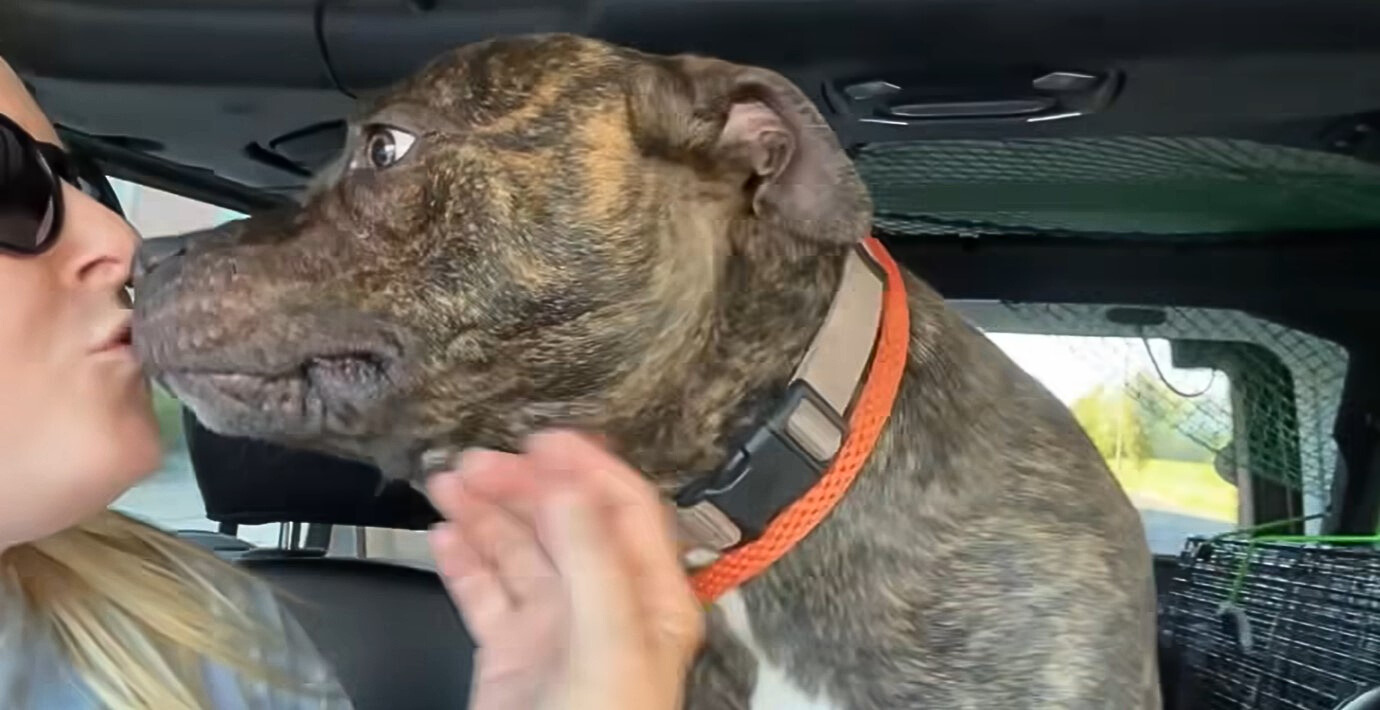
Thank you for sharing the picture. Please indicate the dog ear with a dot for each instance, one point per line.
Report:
(754, 124)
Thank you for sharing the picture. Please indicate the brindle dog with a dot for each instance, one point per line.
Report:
(550, 230)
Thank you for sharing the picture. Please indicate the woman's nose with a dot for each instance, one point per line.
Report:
(97, 245)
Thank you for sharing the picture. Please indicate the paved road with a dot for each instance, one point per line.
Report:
(1166, 531)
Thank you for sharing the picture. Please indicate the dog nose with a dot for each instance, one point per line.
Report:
(158, 250)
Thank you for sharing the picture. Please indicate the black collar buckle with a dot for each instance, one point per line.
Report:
(777, 463)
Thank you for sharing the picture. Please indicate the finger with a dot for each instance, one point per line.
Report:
(644, 532)
(472, 580)
(501, 544)
(510, 546)
(579, 459)
(573, 459)
(506, 479)
(473, 585)
(595, 576)
(444, 489)
(640, 520)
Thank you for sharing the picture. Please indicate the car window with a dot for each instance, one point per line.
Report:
(1162, 446)
(1210, 419)
(170, 497)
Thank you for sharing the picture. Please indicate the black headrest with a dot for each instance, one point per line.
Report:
(251, 482)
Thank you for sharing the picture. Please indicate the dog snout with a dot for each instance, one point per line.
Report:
(154, 252)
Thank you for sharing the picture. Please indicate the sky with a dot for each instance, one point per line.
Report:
(1071, 366)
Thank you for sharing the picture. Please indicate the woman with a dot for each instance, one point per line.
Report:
(98, 610)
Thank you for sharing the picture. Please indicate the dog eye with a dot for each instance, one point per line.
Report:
(385, 146)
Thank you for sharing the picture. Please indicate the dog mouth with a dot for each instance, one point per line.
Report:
(339, 372)
(359, 369)
(321, 394)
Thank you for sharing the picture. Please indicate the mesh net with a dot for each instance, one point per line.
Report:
(1119, 186)
(1265, 408)
(1273, 626)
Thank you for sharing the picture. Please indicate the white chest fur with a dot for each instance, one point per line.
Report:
(774, 690)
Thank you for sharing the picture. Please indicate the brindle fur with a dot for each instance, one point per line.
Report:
(572, 240)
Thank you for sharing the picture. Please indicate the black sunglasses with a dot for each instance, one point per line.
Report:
(31, 177)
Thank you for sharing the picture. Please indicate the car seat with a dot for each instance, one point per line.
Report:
(391, 631)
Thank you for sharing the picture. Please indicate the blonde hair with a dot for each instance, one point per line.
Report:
(137, 611)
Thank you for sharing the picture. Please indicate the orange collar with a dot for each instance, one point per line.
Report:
(865, 420)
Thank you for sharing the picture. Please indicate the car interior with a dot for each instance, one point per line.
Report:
(1204, 171)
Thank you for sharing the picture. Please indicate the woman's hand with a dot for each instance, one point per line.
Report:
(564, 565)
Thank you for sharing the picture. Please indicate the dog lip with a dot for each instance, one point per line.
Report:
(164, 351)
(384, 363)
(347, 377)
(320, 393)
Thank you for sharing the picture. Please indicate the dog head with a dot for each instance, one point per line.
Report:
(531, 230)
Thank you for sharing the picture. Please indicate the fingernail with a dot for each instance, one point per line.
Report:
(534, 439)
(568, 435)
(441, 536)
(438, 460)
(443, 485)
(599, 439)
(442, 541)
(469, 458)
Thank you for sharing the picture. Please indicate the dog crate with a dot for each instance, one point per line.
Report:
(1272, 625)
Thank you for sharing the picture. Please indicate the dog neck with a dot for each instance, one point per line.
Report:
(730, 360)
(804, 456)
(721, 355)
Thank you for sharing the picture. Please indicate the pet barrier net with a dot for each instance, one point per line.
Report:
(1273, 626)
(1272, 415)
(1267, 411)
(1116, 186)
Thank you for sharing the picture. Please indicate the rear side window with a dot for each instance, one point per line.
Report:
(170, 498)
(1211, 420)
(1162, 438)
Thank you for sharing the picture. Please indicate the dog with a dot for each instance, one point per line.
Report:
(551, 230)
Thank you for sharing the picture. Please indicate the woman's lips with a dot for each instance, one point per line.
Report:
(117, 339)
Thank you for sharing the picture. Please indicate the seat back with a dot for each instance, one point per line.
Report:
(390, 631)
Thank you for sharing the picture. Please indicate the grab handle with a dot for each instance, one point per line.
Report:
(1048, 96)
